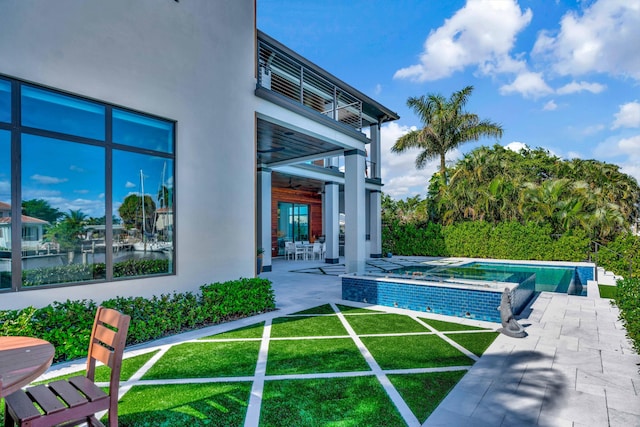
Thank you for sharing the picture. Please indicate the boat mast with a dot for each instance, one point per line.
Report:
(144, 231)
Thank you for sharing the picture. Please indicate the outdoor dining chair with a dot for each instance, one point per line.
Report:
(76, 400)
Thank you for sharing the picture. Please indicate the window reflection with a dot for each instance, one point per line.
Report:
(63, 198)
(5, 209)
(140, 131)
(143, 204)
(63, 170)
(47, 110)
(5, 101)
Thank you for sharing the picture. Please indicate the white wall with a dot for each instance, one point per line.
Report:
(191, 61)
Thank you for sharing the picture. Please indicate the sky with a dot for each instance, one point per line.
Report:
(557, 74)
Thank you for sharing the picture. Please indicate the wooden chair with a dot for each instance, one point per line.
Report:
(78, 399)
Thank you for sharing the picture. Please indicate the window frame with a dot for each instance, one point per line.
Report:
(16, 130)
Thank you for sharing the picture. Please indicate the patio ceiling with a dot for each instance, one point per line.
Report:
(278, 145)
(286, 181)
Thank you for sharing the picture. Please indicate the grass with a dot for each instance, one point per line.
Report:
(607, 291)
(218, 404)
(205, 360)
(313, 326)
(476, 343)
(356, 402)
(129, 367)
(251, 331)
(419, 351)
(384, 324)
(423, 392)
(315, 372)
(314, 356)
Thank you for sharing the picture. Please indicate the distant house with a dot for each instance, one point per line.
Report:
(249, 143)
(32, 230)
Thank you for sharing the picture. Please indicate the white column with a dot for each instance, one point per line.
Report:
(375, 223)
(331, 221)
(374, 131)
(354, 211)
(264, 216)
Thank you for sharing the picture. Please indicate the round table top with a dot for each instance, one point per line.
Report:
(22, 360)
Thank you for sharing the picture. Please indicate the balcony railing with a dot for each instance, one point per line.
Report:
(291, 78)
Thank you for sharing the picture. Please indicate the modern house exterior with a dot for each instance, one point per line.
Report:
(183, 134)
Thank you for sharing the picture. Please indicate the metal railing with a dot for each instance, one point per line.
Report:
(285, 75)
(623, 257)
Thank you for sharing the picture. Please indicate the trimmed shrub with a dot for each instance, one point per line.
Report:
(627, 297)
(621, 256)
(480, 239)
(67, 325)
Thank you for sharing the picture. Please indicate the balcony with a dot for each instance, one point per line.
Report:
(288, 74)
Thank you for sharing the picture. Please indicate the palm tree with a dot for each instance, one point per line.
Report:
(446, 127)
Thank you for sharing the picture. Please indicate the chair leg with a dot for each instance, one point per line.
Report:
(8, 421)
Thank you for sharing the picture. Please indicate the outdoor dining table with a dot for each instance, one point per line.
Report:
(22, 360)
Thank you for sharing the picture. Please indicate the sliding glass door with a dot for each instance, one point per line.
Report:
(293, 223)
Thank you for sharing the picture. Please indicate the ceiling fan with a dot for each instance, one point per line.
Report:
(293, 187)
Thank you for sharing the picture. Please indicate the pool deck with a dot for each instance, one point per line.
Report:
(576, 367)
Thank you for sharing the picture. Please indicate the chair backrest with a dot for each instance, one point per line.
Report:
(108, 338)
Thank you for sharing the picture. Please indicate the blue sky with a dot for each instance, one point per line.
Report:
(561, 75)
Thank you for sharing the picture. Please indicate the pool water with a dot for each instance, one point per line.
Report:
(548, 278)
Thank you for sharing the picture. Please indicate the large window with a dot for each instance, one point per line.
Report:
(96, 190)
(293, 221)
(5, 207)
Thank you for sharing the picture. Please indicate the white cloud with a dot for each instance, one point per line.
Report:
(516, 146)
(590, 130)
(604, 39)
(550, 106)
(480, 34)
(130, 184)
(527, 84)
(378, 89)
(43, 179)
(626, 149)
(574, 155)
(628, 116)
(574, 87)
(399, 174)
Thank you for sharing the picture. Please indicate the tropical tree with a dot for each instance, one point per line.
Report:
(69, 231)
(446, 126)
(131, 212)
(41, 209)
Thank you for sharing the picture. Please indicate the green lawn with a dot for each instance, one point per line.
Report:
(314, 372)
(607, 291)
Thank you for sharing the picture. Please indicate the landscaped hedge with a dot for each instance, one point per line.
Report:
(479, 239)
(622, 256)
(627, 298)
(413, 239)
(67, 325)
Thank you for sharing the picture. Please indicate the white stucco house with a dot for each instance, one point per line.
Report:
(105, 104)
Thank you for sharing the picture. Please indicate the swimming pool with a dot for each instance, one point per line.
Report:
(561, 279)
(468, 289)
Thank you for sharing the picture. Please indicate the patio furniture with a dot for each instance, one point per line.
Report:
(316, 250)
(76, 400)
(289, 250)
(300, 251)
(22, 360)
